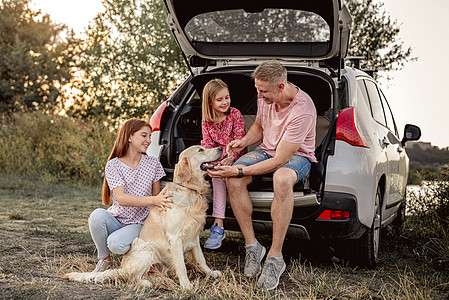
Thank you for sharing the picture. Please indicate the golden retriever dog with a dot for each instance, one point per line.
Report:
(169, 234)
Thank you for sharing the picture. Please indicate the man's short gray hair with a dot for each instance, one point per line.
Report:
(271, 71)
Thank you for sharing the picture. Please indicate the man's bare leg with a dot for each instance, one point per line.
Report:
(242, 206)
(281, 208)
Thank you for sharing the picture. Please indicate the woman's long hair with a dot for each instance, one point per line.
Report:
(120, 148)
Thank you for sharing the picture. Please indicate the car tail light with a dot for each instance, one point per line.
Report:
(334, 215)
(155, 121)
(346, 129)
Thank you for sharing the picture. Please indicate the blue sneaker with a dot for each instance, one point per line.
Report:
(217, 235)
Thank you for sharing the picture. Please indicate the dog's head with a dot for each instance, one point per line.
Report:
(190, 170)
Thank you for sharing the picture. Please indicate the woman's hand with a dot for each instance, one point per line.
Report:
(162, 200)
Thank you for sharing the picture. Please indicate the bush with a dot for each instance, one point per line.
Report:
(414, 178)
(427, 219)
(54, 147)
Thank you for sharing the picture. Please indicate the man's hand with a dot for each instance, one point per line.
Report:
(223, 171)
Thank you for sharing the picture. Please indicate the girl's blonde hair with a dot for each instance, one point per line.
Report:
(210, 90)
(120, 148)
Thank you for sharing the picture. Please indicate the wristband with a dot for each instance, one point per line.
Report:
(240, 175)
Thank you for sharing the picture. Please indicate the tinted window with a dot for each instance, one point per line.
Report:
(374, 99)
(361, 92)
(272, 25)
(388, 114)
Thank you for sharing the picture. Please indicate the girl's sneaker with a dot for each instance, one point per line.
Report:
(217, 235)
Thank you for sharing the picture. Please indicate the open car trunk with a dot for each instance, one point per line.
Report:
(187, 129)
(233, 29)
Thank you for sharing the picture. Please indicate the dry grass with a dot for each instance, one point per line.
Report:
(44, 234)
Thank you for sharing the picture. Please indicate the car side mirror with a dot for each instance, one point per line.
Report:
(411, 133)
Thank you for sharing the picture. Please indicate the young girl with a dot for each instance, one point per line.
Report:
(132, 180)
(221, 124)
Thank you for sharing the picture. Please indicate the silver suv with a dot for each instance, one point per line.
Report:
(358, 185)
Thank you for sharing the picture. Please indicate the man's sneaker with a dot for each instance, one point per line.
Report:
(253, 260)
(272, 271)
(217, 235)
(103, 265)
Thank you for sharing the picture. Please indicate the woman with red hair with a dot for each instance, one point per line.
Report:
(132, 181)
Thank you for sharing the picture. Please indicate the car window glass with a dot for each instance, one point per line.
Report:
(388, 114)
(374, 99)
(272, 25)
(361, 93)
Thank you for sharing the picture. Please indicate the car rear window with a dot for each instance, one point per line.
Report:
(272, 25)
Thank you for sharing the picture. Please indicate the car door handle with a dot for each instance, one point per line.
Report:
(385, 142)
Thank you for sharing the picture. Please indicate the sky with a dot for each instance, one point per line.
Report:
(417, 94)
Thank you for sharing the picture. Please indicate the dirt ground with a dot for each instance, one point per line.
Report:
(44, 234)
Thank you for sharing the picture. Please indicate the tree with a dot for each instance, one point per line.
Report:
(375, 36)
(35, 62)
(130, 62)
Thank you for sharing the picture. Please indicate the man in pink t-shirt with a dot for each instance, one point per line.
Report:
(285, 122)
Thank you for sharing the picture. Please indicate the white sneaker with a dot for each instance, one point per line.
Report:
(253, 260)
(271, 272)
(103, 265)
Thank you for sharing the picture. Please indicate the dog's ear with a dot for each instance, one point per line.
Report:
(182, 172)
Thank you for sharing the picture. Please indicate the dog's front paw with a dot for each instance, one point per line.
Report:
(146, 283)
(216, 274)
(187, 286)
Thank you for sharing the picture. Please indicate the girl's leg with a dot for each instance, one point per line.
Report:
(219, 222)
(219, 201)
(119, 242)
(217, 233)
(101, 225)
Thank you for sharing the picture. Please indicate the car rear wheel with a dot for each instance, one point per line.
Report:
(365, 250)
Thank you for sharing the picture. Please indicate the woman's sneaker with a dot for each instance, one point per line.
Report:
(217, 235)
(103, 265)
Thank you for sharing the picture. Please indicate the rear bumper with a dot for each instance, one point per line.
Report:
(304, 223)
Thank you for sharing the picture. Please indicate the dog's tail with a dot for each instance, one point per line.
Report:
(135, 264)
(96, 277)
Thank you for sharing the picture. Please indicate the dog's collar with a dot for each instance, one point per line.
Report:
(184, 201)
(200, 191)
(180, 184)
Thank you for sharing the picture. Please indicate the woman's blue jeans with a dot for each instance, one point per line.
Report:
(109, 235)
